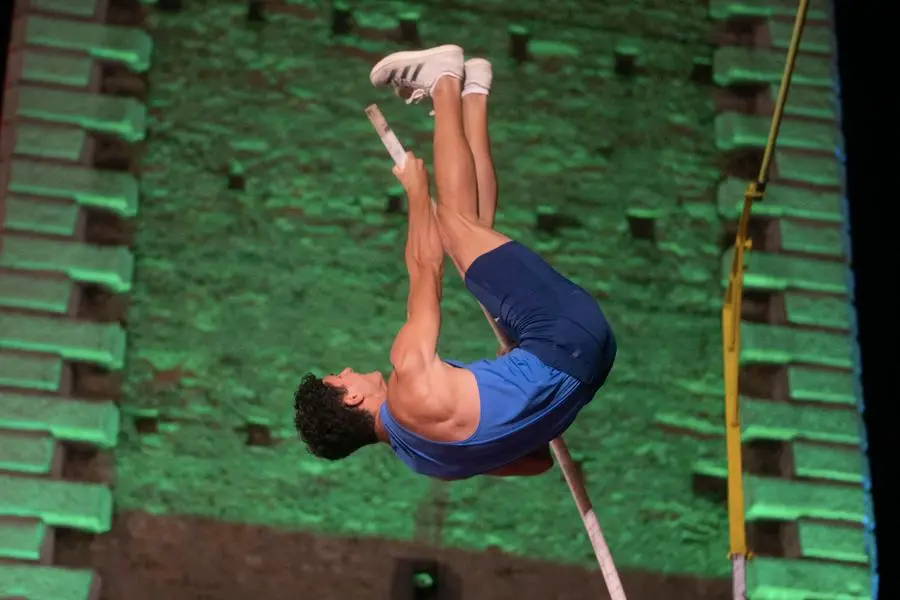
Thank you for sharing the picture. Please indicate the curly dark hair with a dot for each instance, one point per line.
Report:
(330, 428)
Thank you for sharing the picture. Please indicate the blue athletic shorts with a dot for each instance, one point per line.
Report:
(543, 312)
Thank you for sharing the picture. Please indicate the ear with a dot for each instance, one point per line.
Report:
(353, 397)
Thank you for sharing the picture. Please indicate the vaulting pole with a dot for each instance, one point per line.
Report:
(558, 446)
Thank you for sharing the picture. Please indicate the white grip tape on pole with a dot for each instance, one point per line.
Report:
(387, 135)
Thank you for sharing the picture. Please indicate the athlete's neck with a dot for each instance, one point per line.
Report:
(380, 431)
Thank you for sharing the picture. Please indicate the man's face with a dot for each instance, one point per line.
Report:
(366, 390)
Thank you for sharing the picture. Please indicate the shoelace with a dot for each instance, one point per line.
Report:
(414, 98)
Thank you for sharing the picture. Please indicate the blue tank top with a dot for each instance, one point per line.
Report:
(524, 405)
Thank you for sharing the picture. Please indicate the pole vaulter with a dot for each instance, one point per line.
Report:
(502, 416)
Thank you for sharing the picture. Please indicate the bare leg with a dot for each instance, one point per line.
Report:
(454, 167)
(465, 236)
(476, 128)
(469, 234)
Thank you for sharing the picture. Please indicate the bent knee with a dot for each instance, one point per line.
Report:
(465, 238)
(454, 226)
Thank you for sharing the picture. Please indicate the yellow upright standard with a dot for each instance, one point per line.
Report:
(731, 326)
(731, 343)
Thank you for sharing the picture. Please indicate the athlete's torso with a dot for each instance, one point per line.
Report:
(522, 405)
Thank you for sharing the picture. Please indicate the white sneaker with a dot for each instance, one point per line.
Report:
(414, 74)
(479, 76)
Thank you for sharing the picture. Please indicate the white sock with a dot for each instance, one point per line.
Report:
(474, 88)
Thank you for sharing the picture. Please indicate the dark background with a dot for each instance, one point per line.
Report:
(867, 119)
(860, 51)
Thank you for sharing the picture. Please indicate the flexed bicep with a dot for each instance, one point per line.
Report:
(416, 344)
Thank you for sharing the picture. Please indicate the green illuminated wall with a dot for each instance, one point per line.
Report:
(239, 292)
(264, 247)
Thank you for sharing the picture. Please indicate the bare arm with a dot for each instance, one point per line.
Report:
(416, 344)
(538, 462)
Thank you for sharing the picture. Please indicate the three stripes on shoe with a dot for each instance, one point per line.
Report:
(392, 78)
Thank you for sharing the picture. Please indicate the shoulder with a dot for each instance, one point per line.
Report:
(416, 394)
